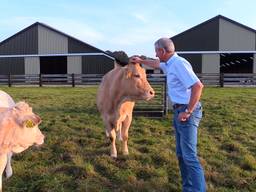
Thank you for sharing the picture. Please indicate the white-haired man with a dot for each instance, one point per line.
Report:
(184, 90)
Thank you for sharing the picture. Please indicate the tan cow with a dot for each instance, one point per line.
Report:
(18, 131)
(118, 91)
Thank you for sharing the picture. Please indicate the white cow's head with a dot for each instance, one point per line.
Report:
(19, 128)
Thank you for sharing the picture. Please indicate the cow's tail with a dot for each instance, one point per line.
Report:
(118, 130)
(107, 133)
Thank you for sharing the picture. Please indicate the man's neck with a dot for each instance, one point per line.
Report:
(168, 56)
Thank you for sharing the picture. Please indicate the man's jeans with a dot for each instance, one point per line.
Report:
(186, 150)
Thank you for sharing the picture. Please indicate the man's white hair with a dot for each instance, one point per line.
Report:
(166, 44)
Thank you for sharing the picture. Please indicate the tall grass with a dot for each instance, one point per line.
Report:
(75, 155)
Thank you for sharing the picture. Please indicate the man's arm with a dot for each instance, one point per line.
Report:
(196, 92)
(149, 62)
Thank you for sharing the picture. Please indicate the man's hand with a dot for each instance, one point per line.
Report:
(136, 59)
(183, 116)
(154, 63)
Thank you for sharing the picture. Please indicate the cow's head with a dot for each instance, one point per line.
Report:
(135, 83)
(28, 122)
(19, 129)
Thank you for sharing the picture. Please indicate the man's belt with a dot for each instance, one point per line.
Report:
(177, 105)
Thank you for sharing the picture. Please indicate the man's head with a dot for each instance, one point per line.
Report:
(164, 48)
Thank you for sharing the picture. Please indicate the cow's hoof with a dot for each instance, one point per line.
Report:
(114, 155)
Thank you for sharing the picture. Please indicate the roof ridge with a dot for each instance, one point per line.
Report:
(52, 29)
(213, 18)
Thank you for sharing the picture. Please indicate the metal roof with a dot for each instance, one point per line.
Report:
(216, 18)
(52, 29)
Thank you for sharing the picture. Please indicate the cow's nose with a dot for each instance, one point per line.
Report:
(152, 92)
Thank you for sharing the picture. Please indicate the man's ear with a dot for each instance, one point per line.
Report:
(31, 121)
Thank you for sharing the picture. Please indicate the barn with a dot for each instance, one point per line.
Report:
(219, 34)
(42, 40)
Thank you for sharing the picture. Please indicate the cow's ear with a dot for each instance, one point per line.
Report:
(31, 121)
(128, 74)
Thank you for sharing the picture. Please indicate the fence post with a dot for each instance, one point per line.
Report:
(9, 80)
(40, 80)
(73, 80)
(165, 97)
(221, 79)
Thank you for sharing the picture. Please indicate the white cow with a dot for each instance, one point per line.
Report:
(18, 131)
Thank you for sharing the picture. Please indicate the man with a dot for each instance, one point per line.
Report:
(184, 90)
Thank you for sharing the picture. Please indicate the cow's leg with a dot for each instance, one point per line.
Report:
(3, 161)
(112, 136)
(125, 129)
(8, 169)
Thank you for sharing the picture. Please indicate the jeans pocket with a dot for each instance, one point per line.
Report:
(198, 112)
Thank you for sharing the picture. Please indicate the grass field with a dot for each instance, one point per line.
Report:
(75, 155)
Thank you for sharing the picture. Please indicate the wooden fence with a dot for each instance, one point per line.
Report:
(209, 79)
(157, 107)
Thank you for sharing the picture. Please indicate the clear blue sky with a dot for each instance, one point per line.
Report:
(128, 25)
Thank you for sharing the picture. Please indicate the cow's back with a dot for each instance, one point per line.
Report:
(5, 100)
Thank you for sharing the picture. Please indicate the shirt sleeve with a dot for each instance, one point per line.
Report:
(186, 74)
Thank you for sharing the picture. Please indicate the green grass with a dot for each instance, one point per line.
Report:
(75, 155)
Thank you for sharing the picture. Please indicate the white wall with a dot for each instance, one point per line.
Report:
(74, 65)
(235, 38)
(210, 63)
(254, 63)
(32, 65)
(51, 42)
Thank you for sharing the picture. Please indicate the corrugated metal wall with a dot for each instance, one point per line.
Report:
(13, 66)
(21, 43)
(254, 63)
(32, 65)
(41, 39)
(200, 38)
(24, 42)
(96, 64)
(90, 64)
(75, 46)
(210, 63)
(234, 37)
(205, 37)
(51, 42)
(75, 65)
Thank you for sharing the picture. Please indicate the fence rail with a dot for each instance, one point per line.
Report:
(157, 107)
(210, 79)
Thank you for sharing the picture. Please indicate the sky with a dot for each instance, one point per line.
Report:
(128, 25)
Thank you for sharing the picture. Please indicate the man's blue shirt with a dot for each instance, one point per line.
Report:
(180, 79)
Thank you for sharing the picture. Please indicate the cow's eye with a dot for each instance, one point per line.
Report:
(137, 75)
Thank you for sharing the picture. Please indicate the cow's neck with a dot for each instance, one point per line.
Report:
(122, 101)
(118, 102)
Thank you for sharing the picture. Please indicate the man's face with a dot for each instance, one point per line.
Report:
(160, 53)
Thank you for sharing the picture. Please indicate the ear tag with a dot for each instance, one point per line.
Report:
(29, 124)
(128, 75)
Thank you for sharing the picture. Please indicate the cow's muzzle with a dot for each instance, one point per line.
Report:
(150, 94)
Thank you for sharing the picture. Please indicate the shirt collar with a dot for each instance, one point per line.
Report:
(171, 59)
